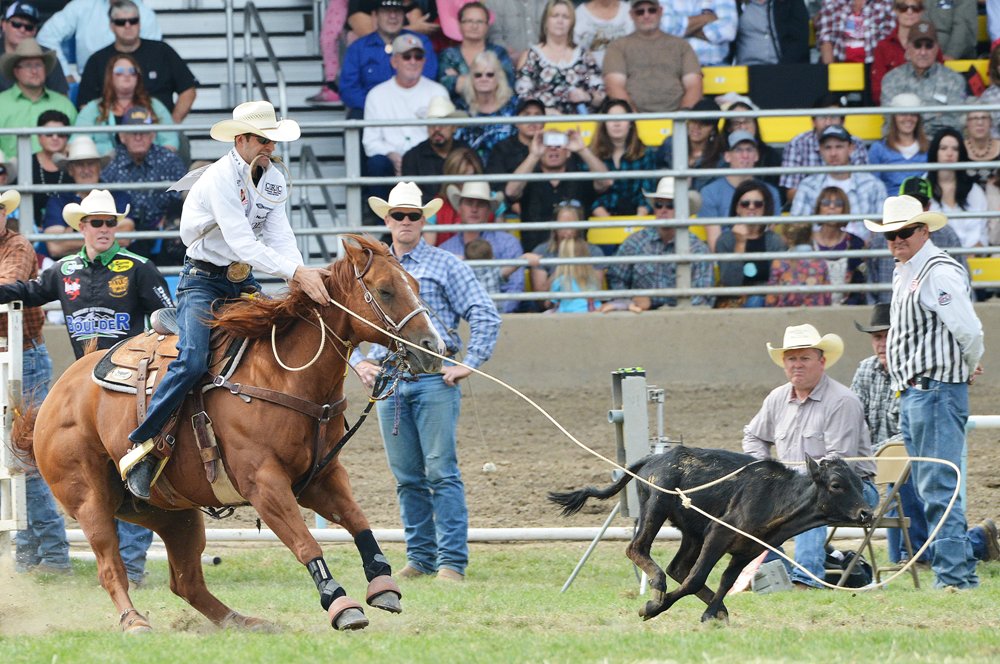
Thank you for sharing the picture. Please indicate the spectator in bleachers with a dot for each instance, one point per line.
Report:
(541, 275)
(476, 204)
(563, 76)
(422, 17)
(654, 71)
(123, 90)
(18, 22)
(554, 153)
(718, 195)
(461, 161)
(657, 242)
(407, 95)
(44, 169)
(515, 23)
(486, 93)
(575, 278)
(139, 159)
(924, 76)
(334, 21)
(980, 142)
(508, 154)
(772, 32)
(879, 270)
(705, 145)
(803, 150)
(164, 72)
(86, 23)
(368, 62)
(617, 144)
(794, 271)
(832, 236)
(769, 157)
(427, 157)
(957, 24)
(83, 164)
(489, 277)
(600, 22)
(992, 93)
(22, 103)
(753, 198)
(891, 51)
(956, 191)
(456, 64)
(708, 25)
(849, 30)
(904, 142)
(865, 191)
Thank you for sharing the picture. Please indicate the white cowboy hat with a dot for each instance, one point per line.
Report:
(81, 148)
(404, 195)
(665, 189)
(10, 165)
(258, 118)
(441, 108)
(98, 201)
(478, 190)
(10, 200)
(900, 211)
(806, 336)
(28, 48)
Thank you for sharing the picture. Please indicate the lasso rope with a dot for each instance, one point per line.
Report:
(322, 343)
(682, 494)
(276, 161)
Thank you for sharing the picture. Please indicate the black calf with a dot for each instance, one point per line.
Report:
(767, 500)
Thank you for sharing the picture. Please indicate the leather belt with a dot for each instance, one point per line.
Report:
(205, 266)
(923, 382)
(235, 272)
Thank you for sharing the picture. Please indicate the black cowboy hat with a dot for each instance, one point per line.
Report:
(879, 321)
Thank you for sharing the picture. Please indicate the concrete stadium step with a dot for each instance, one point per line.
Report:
(213, 21)
(214, 97)
(303, 69)
(188, 5)
(192, 47)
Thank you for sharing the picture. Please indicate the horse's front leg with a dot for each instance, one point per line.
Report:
(330, 496)
(272, 497)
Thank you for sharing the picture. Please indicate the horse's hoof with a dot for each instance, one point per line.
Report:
(133, 622)
(248, 623)
(347, 614)
(383, 593)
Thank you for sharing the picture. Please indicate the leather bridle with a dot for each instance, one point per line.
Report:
(380, 313)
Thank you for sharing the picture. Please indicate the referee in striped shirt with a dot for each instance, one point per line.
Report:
(934, 346)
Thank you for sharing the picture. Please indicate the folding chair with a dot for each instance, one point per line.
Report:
(892, 468)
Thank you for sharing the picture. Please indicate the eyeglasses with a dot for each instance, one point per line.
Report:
(21, 25)
(831, 202)
(923, 44)
(978, 118)
(412, 216)
(913, 9)
(124, 71)
(902, 233)
(473, 21)
(413, 55)
(98, 223)
(663, 205)
(753, 203)
(30, 65)
(643, 11)
(487, 74)
(122, 22)
(571, 203)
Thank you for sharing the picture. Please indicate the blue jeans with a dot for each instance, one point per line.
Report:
(197, 293)
(423, 458)
(810, 549)
(133, 543)
(933, 425)
(379, 166)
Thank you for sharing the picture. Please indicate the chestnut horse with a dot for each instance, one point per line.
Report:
(81, 433)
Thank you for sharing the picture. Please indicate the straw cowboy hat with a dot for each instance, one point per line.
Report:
(28, 48)
(10, 165)
(879, 321)
(257, 118)
(477, 190)
(900, 211)
(441, 108)
(404, 195)
(81, 148)
(10, 200)
(665, 189)
(98, 201)
(806, 336)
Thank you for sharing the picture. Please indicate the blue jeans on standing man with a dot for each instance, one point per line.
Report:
(933, 424)
(423, 458)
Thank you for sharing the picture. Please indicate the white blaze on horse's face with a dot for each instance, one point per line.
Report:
(416, 301)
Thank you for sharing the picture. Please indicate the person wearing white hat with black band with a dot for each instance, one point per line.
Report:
(933, 354)
(233, 222)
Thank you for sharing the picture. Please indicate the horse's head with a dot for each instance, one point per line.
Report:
(388, 296)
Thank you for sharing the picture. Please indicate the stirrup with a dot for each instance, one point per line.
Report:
(136, 454)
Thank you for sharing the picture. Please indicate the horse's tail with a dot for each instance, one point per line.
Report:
(22, 436)
(573, 501)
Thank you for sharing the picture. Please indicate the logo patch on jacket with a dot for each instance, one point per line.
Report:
(72, 288)
(121, 265)
(944, 299)
(118, 286)
(272, 189)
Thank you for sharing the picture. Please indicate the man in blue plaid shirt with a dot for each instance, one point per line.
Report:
(419, 423)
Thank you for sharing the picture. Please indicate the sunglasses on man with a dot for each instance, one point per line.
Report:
(902, 233)
(122, 22)
(412, 216)
(99, 223)
(663, 205)
(21, 25)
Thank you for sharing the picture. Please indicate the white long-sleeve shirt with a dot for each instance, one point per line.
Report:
(391, 101)
(226, 219)
(87, 23)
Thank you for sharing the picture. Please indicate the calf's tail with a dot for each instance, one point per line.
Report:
(573, 501)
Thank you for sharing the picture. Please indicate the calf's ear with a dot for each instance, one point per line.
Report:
(814, 470)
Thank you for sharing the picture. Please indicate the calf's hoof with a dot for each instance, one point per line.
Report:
(346, 614)
(650, 610)
(721, 618)
(133, 622)
(383, 593)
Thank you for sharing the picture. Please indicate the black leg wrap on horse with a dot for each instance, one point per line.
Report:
(328, 588)
(372, 558)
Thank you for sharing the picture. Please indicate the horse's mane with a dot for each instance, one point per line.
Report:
(254, 317)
